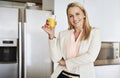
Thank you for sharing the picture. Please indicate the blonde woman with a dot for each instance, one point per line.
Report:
(77, 47)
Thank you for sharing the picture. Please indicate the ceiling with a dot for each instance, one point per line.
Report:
(24, 1)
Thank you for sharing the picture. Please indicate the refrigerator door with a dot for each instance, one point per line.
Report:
(37, 58)
(8, 23)
(8, 42)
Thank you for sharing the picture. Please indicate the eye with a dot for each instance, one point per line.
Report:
(70, 16)
(77, 14)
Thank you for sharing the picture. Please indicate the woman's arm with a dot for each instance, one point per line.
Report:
(88, 56)
(54, 43)
(55, 50)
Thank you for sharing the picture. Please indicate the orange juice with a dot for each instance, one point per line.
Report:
(52, 21)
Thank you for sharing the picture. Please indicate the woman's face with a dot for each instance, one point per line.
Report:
(76, 17)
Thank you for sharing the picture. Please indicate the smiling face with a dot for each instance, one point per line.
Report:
(76, 17)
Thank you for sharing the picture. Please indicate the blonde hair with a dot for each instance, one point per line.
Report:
(86, 25)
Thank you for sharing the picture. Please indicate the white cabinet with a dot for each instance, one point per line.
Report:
(105, 14)
(110, 71)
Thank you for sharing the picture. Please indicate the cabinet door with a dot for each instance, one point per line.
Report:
(105, 14)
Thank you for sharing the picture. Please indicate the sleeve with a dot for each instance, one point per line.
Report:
(55, 52)
(88, 56)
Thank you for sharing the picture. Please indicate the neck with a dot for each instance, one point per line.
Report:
(77, 30)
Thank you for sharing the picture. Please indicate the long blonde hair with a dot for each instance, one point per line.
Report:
(86, 25)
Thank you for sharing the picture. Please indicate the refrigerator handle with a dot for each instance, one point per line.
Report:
(21, 28)
(22, 15)
(21, 50)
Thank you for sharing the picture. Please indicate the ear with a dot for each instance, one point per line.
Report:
(83, 16)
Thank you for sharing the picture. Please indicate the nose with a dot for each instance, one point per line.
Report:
(75, 17)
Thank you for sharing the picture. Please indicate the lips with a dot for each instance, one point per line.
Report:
(77, 22)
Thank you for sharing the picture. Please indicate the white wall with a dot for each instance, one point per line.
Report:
(105, 14)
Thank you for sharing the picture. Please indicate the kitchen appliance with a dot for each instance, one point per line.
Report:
(109, 54)
(9, 42)
(35, 62)
(23, 44)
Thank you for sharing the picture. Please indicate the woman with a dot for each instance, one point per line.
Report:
(76, 48)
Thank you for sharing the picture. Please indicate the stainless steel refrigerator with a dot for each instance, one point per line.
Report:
(35, 59)
(20, 30)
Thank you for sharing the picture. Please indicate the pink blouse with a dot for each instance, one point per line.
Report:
(73, 46)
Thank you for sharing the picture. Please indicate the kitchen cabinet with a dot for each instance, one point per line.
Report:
(109, 71)
(105, 14)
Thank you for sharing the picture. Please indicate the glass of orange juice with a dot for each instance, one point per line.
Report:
(52, 21)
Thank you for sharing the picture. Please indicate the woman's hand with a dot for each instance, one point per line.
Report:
(49, 30)
(62, 62)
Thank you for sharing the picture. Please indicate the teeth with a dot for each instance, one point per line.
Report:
(76, 22)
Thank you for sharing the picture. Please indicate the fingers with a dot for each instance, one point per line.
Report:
(47, 22)
(62, 63)
(46, 25)
(47, 28)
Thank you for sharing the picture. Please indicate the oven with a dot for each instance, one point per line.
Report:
(109, 54)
